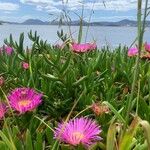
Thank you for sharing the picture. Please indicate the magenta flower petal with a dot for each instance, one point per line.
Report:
(8, 50)
(78, 131)
(132, 52)
(147, 47)
(81, 48)
(24, 99)
(3, 109)
(25, 65)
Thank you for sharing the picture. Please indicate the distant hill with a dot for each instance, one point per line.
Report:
(75, 23)
(127, 22)
(7, 22)
(34, 22)
(124, 22)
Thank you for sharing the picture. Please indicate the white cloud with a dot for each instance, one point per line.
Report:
(34, 1)
(48, 9)
(117, 5)
(7, 12)
(52, 9)
(55, 6)
(8, 6)
(44, 5)
(48, 5)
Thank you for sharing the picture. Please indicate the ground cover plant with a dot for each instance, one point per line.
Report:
(75, 96)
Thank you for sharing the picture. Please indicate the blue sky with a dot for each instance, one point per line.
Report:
(20, 10)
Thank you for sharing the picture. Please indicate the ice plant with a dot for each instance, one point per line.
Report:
(3, 109)
(146, 56)
(25, 65)
(78, 131)
(81, 48)
(132, 52)
(99, 109)
(92, 46)
(8, 50)
(147, 47)
(24, 99)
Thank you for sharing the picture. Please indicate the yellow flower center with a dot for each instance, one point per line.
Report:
(78, 135)
(24, 103)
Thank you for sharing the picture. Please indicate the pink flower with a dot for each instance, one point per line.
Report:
(8, 50)
(1, 81)
(78, 131)
(147, 47)
(81, 48)
(3, 109)
(25, 65)
(100, 109)
(146, 56)
(132, 52)
(93, 46)
(24, 99)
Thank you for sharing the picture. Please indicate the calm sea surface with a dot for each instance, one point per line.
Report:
(112, 36)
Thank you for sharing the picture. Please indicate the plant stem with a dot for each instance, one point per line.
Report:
(81, 27)
(138, 97)
(87, 30)
(82, 111)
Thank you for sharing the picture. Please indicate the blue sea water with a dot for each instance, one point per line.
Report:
(112, 36)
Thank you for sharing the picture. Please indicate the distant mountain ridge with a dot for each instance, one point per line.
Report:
(34, 22)
(124, 22)
(7, 22)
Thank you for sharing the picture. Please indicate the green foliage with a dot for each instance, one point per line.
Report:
(103, 76)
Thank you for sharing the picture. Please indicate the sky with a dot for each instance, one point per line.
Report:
(47, 10)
